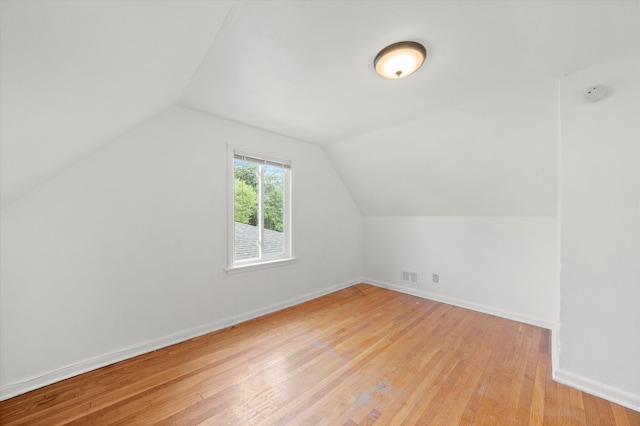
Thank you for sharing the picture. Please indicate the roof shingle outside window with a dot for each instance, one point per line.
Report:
(246, 242)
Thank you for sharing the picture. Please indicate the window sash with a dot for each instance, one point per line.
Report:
(287, 253)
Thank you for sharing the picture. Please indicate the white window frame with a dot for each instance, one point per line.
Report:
(262, 261)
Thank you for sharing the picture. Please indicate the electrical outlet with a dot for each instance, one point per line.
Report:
(410, 277)
(436, 278)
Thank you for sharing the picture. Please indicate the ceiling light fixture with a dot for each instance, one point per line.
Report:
(400, 59)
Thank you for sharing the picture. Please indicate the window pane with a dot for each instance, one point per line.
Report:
(246, 210)
(261, 203)
(274, 217)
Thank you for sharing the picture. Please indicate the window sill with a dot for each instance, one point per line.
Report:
(263, 265)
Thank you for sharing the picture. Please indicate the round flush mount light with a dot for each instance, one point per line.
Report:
(399, 60)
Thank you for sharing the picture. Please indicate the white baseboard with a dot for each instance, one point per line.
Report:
(292, 302)
(593, 387)
(14, 389)
(515, 316)
(617, 396)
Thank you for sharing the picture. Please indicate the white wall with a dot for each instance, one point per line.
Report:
(600, 228)
(76, 74)
(125, 251)
(502, 266)
(468, 193)
(495, 157)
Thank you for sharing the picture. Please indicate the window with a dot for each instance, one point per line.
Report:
(260, 211)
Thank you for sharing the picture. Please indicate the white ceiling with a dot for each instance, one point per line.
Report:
(304, 68)
(74, 75)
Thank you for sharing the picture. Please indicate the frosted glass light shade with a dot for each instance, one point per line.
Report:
(399, 60)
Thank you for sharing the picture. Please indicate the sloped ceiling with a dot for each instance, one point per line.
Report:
(304, 68)
(75, 74)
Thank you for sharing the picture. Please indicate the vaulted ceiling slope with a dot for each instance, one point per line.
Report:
(304, 68)
(74, 74)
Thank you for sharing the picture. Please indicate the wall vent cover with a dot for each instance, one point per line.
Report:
(409, 277)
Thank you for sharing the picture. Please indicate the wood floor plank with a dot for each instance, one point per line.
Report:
(536, 413)
(528, 376)
(597, 410)
(577, 406)
(360, 356)
(632, 416)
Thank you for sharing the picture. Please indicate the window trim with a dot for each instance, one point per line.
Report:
(271, 261)
(262, 265)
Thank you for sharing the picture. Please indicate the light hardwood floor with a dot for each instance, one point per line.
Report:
(360, 356)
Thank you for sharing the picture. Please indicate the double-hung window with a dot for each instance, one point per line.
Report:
(261, 210)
